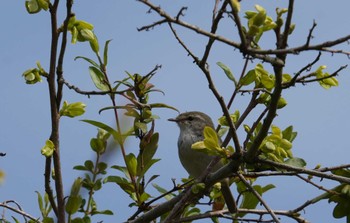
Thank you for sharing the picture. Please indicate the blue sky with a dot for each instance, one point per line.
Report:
(320, 116)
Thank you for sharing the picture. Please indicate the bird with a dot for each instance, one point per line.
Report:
(191, 126)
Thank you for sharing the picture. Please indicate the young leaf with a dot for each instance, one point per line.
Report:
(295, 161)
(88, 60)
(116, 135)
(228, 72)
(105, 53)
(98, 78)
(161, 105)
(32, 6)
(248, 78)
(131, 162)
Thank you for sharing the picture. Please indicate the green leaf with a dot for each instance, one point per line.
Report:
(48, 220)
(140, 126)
(267, 188)
(148, 146)
(44, 4)
(72, 110)
(234, 117)
(76, 187)
(32, 6)
(342, 172)
(142, 170)
(15, 219)
(161, 105)
(95, 45)
(210, 134)
(116, 135)
(267, 81)
(89, 165)
(122, 169)
(289, 134)
(122, 182)
(98, 78)
(88, 60)
(131, 163)
(98, 145)
(102, 167)
(114, 107)
(73, 204)
(151, 179)
(236, 6)
(248, 78)
(41, 204)
(80, 167)
(32, 76)
(81, 24)
(342, 209)
(104, 212)
(295, 161)
(87, 34)
(260, 17)
(105, 53)
(163, 191)
(228, 72)
(48, 149)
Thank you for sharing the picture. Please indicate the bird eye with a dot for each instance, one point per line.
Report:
(190, 118)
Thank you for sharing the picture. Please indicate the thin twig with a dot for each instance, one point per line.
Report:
(89, 93)
(316, 185)
(307, 67)
(257, 195)
(305, 80)
(326, 169)
(309, 37)
(256, 53)
(18, 210)
(305, 171)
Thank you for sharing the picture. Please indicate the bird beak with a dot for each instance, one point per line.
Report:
(172, 120)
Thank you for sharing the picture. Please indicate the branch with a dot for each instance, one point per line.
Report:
(326, 169)
(214, 27)
(316, 185)
(306, 171)
(241, 33)
(284, 43)
(194, 57)
(307, 67)
(221, 213)
(219, 98)
(256, 53)
(303, 79)
(187, 195)
(257, 195)
(18, 211)
(309, 37)
(89, 93)
(54, 110)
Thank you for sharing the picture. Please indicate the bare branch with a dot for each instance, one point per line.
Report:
(89, 93)
(309, 37)
(316, 185)
(195, 58)
(306, 171)
(18, 210)
(307, 67)
(149, 27)
(257, 195)
(287, 26)
(214, 28)
(241, 33)
(326, 169)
